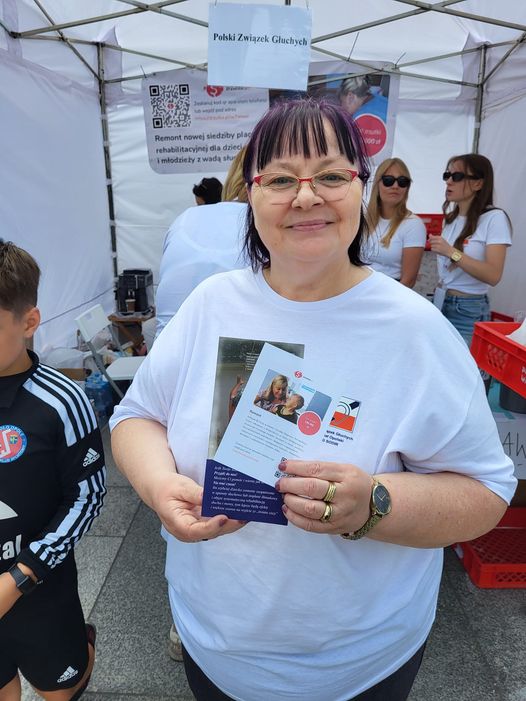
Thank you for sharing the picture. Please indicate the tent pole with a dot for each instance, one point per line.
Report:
(480, 98)
(107, 156)
(64, 38)
(508, 53)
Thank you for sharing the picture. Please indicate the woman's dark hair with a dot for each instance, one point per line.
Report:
(209, 190)
(296, 127)
(480, 166)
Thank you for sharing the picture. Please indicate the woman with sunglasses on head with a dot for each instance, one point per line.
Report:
(338, 604)
(472, 248)
(396, 243)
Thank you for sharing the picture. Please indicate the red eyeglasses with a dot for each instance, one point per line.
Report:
(331, 185)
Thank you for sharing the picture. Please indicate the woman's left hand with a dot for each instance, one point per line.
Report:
(440, 246)
(305, 490)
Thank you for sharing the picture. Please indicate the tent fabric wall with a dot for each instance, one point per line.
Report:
(52, 191)
(53, 150)
(503, 143)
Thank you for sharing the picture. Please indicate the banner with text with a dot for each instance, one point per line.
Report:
(267, 46)
(193, 127)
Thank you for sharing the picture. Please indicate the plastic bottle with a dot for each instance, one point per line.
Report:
(95, 392)
(107, 396)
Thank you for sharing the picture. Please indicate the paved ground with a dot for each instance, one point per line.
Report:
(477, 650)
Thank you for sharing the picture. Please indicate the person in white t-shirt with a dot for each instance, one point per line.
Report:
(472, 248)
(396, 243)
(338, 604)
(200, 242)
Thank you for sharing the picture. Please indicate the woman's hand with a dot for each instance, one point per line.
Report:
(177, 501)
(488, 270)
(303, 495)
(440, 246)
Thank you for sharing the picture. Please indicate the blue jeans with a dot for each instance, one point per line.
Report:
(463, 312)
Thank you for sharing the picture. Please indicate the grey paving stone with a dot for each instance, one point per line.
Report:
(120, 506)
(455, 665)
(114, 478)
(133, 620)
(27, 692)
(94, 556)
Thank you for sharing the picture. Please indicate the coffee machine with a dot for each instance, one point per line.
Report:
(135, 284)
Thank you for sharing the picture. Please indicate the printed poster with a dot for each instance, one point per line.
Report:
(193, 127)
(370, 97)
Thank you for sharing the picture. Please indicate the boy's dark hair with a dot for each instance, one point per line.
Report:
(19, 278)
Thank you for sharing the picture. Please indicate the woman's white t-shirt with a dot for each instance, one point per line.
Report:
(278, 613)
(411, 233)
(493, 228)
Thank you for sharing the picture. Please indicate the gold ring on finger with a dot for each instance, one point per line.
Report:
(326, 514)
(329, 494)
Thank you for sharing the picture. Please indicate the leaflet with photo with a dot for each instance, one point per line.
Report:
(281, 412)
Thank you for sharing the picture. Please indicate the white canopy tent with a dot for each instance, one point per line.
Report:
(76, 186)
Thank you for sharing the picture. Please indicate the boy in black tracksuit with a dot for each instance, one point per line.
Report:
(52, 484)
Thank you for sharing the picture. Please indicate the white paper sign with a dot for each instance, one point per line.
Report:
(193, 127)
(265, 46)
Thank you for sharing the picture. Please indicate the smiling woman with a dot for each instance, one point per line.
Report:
(304, 612)
(305, 191)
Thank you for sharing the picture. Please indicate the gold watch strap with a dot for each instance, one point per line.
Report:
(371, 521)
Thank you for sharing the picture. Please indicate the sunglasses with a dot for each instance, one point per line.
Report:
(390, 180)
(457, 176)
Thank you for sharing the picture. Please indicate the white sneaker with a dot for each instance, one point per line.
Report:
(174, 645)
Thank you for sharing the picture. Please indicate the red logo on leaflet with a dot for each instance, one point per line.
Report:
(298, 373)
(374, 133)
(13, 443)
(309, 423)
(214, 90)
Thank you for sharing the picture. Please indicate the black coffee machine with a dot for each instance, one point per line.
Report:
(135, 284)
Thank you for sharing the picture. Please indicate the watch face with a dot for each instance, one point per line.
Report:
(381, 499)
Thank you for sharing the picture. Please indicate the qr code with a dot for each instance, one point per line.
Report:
(170, 105)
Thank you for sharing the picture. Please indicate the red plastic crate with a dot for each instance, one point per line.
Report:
(497, 560)
(504, 359)
(499, 316)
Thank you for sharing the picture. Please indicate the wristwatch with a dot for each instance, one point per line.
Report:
(380, 507)
(23, 582)
(455, 256)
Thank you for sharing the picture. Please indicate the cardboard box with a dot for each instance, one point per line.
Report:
(512, 431)
(77, 374)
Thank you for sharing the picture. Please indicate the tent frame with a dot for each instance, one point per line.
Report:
(160, 7)
(45, 33)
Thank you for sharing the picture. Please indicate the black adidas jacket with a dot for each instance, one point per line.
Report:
(52, 473)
